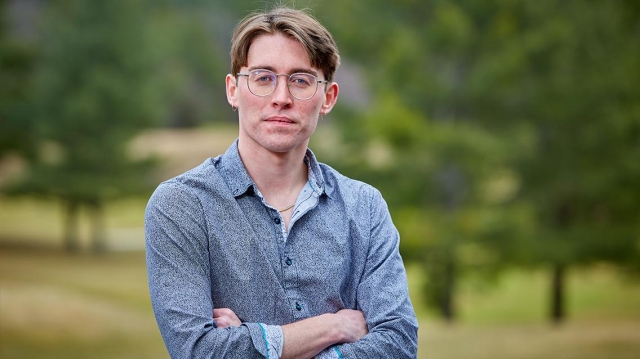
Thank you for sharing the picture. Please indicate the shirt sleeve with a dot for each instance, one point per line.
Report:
(383, 294)
(180, 286)
(329, 353)
(275, 339)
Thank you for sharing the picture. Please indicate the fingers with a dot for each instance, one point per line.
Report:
(353, 324)
(225, 317)
(219, 312)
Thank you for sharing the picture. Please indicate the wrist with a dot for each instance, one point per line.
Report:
(335, 330)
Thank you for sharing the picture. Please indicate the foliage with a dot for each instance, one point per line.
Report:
(192, 38)
(96, 76)
(16, 63)
(93, 90)
(537, 100)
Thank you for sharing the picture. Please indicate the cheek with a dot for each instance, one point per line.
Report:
(251, 103)
(313, 107)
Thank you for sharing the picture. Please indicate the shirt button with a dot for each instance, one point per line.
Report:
(288, 261)
(277, 220)
(298, 306)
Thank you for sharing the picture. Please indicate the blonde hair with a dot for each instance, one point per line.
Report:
(301, 26)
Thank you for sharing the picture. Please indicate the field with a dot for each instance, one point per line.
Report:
(59, 305)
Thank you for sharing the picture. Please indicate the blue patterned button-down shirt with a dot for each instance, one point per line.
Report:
(213, 242)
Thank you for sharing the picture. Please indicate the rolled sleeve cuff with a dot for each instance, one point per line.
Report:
(330, 353)
(274, 340)
(267, 339)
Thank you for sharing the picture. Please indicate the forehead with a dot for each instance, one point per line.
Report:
(279, 52)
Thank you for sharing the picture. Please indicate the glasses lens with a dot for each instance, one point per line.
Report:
(302, 86)
(262, 82)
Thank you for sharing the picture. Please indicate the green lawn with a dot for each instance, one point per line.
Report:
(56, 305)
(32, 222)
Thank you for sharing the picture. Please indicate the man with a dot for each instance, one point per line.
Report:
(263, 252)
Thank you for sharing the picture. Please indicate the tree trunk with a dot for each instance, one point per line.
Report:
(98, 237)
(71, 241)
(557, 294)
(439, 288)
(448, 287)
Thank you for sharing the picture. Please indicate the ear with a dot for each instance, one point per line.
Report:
(231, 83)
(330, 98)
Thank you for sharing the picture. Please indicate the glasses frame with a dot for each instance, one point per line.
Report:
(318, 81)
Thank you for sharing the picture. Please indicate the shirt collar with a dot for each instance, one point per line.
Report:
(240, 182)
(316, 179)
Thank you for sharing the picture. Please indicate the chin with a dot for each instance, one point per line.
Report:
(282, 147)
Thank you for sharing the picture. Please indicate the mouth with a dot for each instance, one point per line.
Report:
(280, 120)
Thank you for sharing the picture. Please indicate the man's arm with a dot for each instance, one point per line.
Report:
(180, 285)
(383, 294)
(308, 337)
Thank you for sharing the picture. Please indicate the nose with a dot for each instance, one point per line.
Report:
(281, 95)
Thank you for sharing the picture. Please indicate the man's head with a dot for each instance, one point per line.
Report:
(297, 24)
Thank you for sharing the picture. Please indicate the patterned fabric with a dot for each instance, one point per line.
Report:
(213, 241)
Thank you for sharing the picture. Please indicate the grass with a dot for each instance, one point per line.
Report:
(509, 320)
(56, 305)
(30, 222)
(597, 340)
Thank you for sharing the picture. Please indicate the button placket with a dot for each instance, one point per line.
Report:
(290, 277)
(299, 308)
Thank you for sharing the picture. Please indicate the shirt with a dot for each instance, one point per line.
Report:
(212, 241)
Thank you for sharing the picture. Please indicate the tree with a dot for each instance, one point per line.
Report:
(16, 63)
(94, 89)
(439, 180)
(577, 91)
(556, 81)
(193, 39)
(441, 161)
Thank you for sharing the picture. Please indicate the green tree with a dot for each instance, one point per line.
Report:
(440, 161)
(193, 39)
(576, 89)
(444, 185)
(16, 63)
(555, 81)
(94, 89)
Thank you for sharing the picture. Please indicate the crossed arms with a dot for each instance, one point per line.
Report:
(308, 337)
(381, 324)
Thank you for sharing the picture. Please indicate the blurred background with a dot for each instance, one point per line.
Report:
(504, 134)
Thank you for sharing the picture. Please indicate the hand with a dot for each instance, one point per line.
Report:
(352, 324)
(225, 317)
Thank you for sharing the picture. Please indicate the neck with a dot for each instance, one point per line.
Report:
(279, 176)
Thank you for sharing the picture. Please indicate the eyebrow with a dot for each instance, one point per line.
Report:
(293, 71)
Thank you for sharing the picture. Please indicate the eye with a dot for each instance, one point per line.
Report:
(301, 80)
(262, 77)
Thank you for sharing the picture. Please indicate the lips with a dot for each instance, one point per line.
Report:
(280, 119)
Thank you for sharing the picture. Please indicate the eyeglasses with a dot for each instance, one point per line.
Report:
(301, 85)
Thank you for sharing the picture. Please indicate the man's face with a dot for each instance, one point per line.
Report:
(278, 122)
